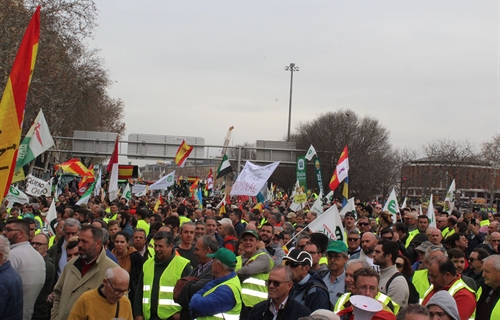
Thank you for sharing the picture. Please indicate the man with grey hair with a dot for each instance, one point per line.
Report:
(488, 305)
(108, 301)
(56, 252)
(83, 273)
(279, 302)
(11, 286)
(421, 277)
(26, 261)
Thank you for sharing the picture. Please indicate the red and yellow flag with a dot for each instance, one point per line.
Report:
(183, 153)
(14, 101)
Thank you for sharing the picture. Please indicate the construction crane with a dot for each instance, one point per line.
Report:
(226, 141)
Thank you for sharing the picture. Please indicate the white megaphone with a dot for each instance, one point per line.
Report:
(364, 307)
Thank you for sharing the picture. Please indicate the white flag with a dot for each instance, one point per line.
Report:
(404, 204)
(164, 182)
(430, 214)
(450, 196)
(15, 195)
(392, 205)
(36, 141)
(252, 178)
(87, 195)
(126, 193)
(329, 223)
(329, 196)
(310, 153)
(51, 218)
(113, 183)
(98, 184)
(318, 205)
(349, 207)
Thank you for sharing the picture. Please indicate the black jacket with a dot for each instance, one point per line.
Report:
(292, 311)
(313, 294)
(191, 288)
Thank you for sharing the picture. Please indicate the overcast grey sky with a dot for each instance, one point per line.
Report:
(424, 69)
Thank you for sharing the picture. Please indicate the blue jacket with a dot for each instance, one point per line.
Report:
(221, 300)
(313, 293)
(11, 293)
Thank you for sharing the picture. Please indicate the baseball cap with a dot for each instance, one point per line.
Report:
(336, 246)
(225, 256)
(291, 215)
(350, 214)
(299, 256)
(424, 246)
(250, 232)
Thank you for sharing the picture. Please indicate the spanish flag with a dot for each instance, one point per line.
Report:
(182, 154)
(13, 102)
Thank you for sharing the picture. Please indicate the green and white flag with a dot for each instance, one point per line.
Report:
(392, 205)
(224, 168)
(51, 219)
(430, 213)
(37, 141)
(86, 196)
(15, 195)
(450, 197)
(310, 153)
(126, 193)
(404, 204)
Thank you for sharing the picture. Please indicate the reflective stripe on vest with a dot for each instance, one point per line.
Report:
(382, 298)
(457, 286)
(166, 305)
(495, 313)
(254, 289)
(233, 314)
(411, 235)
(421, 282)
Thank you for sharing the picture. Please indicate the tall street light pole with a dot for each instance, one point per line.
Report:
(292, 68)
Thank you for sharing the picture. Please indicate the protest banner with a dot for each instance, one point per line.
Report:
(252, 178)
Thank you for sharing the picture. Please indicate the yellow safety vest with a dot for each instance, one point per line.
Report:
(447, 232)
(382, 298)
(234, 313)
(143, 225)
(457, 286)
(51, 241)
(253, 289)
(421, 282)
(483, 223)
(411, 235)
(184, 219)
(495, 313)
(323, 260)
(166, 305)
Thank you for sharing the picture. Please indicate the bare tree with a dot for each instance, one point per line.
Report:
(490, 152)
(371, 158)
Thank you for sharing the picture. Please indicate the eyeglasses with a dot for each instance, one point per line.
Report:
(364, 288)
(472, 259)
(38, 244)
(334, 256)
(275, 283)
(117, 292)
(292, 265)
(364, 223)
(399, 265)
(10, 229)
(353, 239)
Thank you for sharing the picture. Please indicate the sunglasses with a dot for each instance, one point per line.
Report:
(353, 239)
(399, 265)
(275, 283)
(364, 224)
(472, 259)
(292, 265)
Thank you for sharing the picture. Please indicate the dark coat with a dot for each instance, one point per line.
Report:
(41, 309)
(11, 293)
(55, 253)
(312, 294)
(191, 288)
(292, 311)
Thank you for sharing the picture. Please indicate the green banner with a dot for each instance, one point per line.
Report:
(301, 172)
(317, 167)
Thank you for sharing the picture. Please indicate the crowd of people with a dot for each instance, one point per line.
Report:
(185, 260)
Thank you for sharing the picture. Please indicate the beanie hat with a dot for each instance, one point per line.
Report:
(445, 301)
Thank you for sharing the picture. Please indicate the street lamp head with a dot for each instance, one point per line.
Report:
(292, 67)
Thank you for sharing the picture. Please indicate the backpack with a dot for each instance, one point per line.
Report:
(414, 296)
